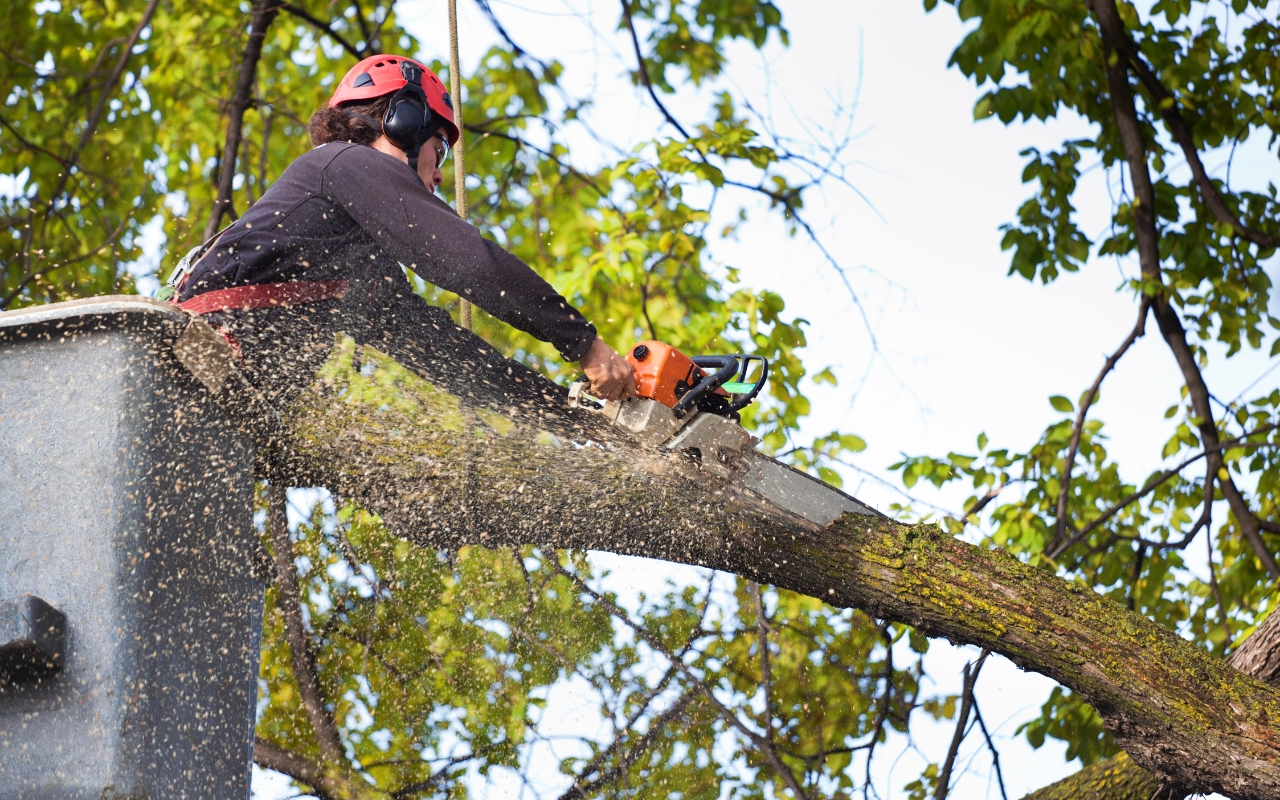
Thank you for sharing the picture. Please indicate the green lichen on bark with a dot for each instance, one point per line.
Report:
(1115, 778)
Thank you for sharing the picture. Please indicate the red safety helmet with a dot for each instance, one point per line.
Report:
(381, 75)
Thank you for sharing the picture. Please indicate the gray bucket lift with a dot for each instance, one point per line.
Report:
(130, 610)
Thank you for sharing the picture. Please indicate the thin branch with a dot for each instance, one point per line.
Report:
(1151, 486)
(325, 27)
(1139, 557)
(515, 48)
(644, 70)
(971, 671)
(1217, 595)
(995, 753)
(1060, 528)
(289, 601)
(762, 744)
(91, 122)
(766, 669)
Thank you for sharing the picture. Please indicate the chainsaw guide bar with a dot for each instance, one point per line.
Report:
(719, 445)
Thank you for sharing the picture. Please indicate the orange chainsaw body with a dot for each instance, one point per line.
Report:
(663, 373)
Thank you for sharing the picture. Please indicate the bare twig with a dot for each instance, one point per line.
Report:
(1217, 595)
(580, 791)
(1138, 558)
(766, 669)
(762, 744)
(515, 48)
(1060, 528)
(971, 671)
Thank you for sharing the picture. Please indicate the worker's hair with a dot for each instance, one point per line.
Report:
(352, 122)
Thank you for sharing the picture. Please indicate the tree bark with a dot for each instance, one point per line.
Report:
(470, 448)
(1119, 778)
(264, 13)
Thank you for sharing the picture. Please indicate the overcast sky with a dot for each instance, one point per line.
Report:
(962, 349)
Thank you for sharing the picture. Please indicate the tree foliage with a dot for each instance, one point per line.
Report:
(1163, 89)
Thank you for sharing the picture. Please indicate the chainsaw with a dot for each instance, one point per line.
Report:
(689, 407)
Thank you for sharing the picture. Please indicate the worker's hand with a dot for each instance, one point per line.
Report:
(611, 376)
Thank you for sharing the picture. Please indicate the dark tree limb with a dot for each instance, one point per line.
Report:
(271, 756)
(1125, 114)
(1167, 105)
(290, 605)
(260, 19)
(1060, 526)
(991, 747)
(971, 671)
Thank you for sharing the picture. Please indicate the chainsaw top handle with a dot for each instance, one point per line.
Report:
(736, 388)
(726, 367)
(709, 383)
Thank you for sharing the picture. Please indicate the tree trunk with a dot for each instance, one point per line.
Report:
(470, 448)
(1119, 778)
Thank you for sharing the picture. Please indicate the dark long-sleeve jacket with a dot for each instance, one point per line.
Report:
(343, 207)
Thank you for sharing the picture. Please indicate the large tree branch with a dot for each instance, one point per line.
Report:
(1119, 778)
(264, 13)
(1125, 114)
(397, 440)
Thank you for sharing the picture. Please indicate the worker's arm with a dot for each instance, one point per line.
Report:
(420, 230)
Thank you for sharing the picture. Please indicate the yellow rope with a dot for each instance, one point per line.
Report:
(459, 159)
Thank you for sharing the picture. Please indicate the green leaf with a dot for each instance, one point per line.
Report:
(1061, 403)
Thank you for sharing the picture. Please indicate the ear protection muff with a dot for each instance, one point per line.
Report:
(409, 123)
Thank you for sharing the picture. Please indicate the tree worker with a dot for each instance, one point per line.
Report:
(324, 248)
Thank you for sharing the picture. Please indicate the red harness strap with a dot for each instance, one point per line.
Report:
(265, 295)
